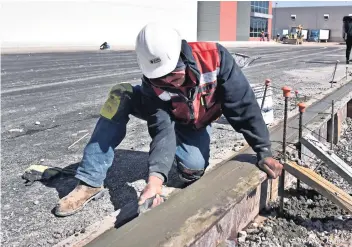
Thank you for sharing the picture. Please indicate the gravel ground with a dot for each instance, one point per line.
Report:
(50, 100)
(309, 219)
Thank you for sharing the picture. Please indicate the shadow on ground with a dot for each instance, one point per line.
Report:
(124, 178)
(126, 168)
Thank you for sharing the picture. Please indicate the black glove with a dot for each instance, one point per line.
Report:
(43, 173)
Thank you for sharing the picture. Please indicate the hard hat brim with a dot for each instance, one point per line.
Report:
(152, 72)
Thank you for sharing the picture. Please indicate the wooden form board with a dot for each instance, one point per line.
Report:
(331, 159)
(321, 185)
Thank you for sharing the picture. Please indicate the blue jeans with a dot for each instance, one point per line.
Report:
(192, 151)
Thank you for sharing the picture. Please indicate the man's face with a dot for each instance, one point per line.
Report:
(174, 79)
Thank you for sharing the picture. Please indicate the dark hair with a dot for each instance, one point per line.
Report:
(347, 19)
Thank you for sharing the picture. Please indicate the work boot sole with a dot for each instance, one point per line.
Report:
(95, 197)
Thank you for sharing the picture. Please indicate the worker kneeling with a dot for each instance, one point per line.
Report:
(185, 87)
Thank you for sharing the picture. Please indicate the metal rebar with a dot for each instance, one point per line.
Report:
(265, 89)
(267, 83)
(346, 72)
(332, 125)
(300, 130)
(282, 182)
(333, 75)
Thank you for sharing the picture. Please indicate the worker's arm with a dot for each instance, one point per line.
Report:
(162, 147)
(240, 106)
(161, 130)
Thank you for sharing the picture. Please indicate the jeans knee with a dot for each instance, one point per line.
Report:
(190, 170)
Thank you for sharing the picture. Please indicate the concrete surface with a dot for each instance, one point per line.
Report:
(64, 92)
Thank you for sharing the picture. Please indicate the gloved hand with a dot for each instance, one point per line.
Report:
(44, 173)
(151, 195)
(271, 167)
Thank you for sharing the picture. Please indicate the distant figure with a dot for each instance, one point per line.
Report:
(299, 35)
(104, 46)
(266, 34)
(277, 37)
(347, 36)
(262, 36)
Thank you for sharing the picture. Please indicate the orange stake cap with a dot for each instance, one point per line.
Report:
(287, 91)
(267, 82)
(302, 107)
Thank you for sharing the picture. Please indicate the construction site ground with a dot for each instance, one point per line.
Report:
(51, 100)
(309, 219)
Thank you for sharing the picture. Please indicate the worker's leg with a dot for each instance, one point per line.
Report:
(192, 152)
(98, 154)
(348, 48)
(108, 133)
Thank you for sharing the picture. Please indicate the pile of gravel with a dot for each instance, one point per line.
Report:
(309, 219)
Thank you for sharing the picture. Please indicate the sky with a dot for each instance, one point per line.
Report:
(311, 3)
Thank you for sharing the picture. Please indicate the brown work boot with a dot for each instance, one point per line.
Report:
(77, 199)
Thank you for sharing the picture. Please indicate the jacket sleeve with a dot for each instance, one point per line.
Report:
(240, 106)
(161, 130)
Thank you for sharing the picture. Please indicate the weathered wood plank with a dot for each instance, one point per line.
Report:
(274, 189)
(321, 185)
(331, 159)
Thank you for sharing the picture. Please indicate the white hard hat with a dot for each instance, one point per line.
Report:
(158, 49)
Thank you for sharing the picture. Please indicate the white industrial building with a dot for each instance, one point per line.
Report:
(319, 19)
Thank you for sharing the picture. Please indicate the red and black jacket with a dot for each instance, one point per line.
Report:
(201, 106)
(218, 87)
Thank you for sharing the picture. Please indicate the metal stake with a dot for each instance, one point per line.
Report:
(332, 124)
(287, 94)
(333, 75)
(267, 83)
(302, 108)
(346, 72)
(296, 98)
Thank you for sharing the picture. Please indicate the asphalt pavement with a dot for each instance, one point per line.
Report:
(51, 100)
